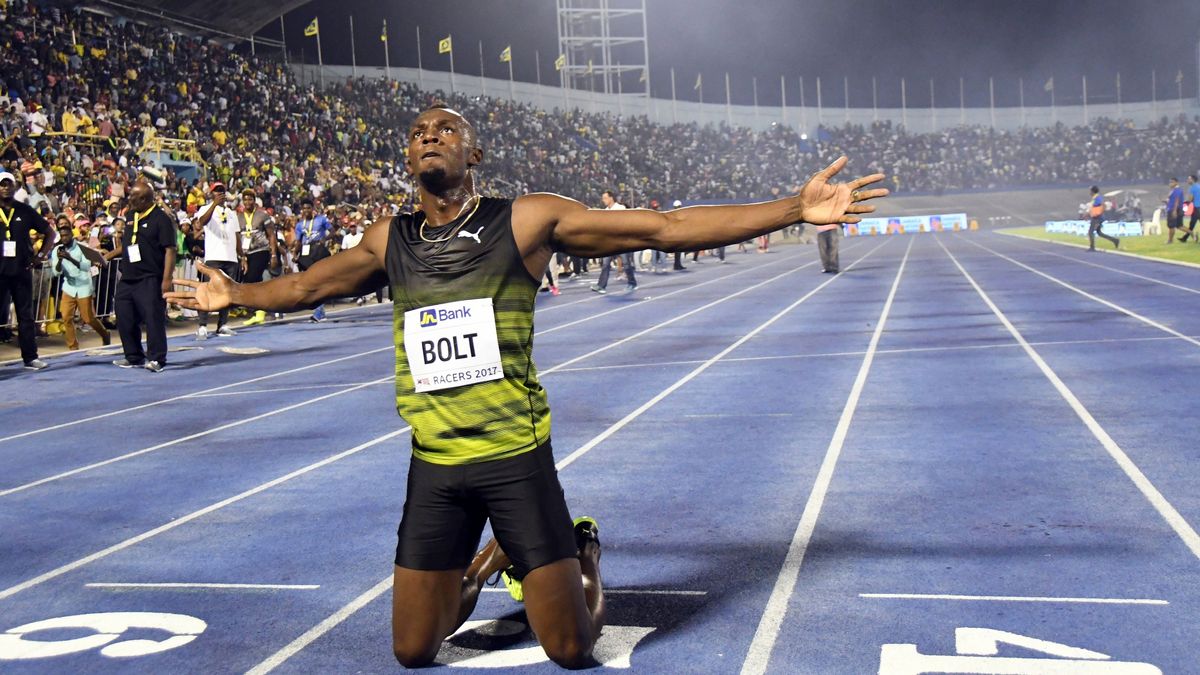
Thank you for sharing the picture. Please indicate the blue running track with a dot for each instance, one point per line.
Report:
(967, 453)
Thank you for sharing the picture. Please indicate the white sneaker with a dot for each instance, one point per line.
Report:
(225, 331)
(202, 333)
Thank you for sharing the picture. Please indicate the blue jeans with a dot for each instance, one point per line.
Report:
(627, 260)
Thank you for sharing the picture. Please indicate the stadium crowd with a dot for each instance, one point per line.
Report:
(81, 94)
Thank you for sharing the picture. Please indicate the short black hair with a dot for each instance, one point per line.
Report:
(1095, 190)
(306, 202)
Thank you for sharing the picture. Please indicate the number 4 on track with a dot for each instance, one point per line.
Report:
(977, 653)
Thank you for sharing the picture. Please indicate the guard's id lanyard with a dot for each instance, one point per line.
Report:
(306, 248)
(249, 217)
(452, 344)
(10, 246)
(135, 253)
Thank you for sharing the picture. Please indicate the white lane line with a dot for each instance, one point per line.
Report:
(184, 396)
(680, 317)
(184, 586)
(1011, 598)
(1181, 263)
(675, 292)
(209, 509)
(622, 591)
(190, 437)
(1112, 269)
(1156, 498)
(765, 636)
(136, 453)
(278, 389)
(1127, 312)
(295, 646)
(72, 566)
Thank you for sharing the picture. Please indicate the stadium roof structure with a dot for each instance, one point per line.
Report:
(234, 18)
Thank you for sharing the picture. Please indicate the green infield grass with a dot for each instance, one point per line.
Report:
(1153, 246)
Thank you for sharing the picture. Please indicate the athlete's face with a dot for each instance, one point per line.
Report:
(441, 148)
(248, 202)
(7, 188)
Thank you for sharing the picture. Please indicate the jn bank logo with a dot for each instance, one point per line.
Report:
(428, 317)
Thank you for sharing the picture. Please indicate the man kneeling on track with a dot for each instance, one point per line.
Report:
(464, 272)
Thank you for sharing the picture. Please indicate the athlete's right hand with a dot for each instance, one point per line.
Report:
(209, 296)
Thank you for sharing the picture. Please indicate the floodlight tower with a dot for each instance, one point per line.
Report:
(603, 43)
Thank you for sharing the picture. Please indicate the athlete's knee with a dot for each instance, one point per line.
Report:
(571, 651)
(414, 654)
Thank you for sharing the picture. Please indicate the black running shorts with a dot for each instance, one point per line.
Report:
(447, 506)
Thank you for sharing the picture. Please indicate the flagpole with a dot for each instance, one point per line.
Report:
(932, 106)
(820, 120)
(482, 80)
(620, 91)
(1053, 109)
(728, 107)
(992, 99)
(783, 97)
(420, 70)
(537, 64)
(700, 81)
(874, 100)
(1179, 86)
(282, 35)
(353, 55)
(903, 103)
(320, 60)
(387, 59)
(1119, 113)
(1085, 110)
(674, 108)
(962, 101)
(452, 91)
(803, 110)
(1021, 88)
(512, 96)
(754, 84)
(1154, 93)
(846, 96)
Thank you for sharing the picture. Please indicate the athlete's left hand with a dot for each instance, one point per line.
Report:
(828, 203)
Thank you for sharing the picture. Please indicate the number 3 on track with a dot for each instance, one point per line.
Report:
(977, 653)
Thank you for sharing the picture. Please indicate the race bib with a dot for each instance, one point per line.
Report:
(452, 344)
(135, 254)
(10, 249)
(245, 242)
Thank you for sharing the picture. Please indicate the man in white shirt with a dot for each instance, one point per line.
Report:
(217, 225)
(601, 286)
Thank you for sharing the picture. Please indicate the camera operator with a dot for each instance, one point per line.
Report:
(68, 261)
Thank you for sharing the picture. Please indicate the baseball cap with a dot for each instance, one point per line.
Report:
(217, 186)
(4, 175)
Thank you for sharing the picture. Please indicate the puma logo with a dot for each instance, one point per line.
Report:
(473, 235)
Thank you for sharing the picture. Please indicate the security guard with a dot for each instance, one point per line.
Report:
(147, 252)
(16, 259)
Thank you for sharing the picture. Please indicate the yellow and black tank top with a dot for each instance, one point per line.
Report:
(477, 259)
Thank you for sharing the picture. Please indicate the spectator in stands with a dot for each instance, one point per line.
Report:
(218, 227)
(17, 256)
(313, 232)
(258, 243)
(69, 262)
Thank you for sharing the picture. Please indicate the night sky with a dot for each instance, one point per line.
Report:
(920, 40)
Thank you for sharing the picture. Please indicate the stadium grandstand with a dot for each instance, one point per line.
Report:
(218, 111)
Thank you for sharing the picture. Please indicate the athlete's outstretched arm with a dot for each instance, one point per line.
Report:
(572, 227)
(352, 272)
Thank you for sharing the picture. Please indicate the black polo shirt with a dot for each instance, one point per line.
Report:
(154, 233)
(21, 219)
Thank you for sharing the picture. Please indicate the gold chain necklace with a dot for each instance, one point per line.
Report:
(453, 232)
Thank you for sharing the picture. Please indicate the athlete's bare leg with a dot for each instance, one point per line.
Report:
(427, 607)
(564, 602)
